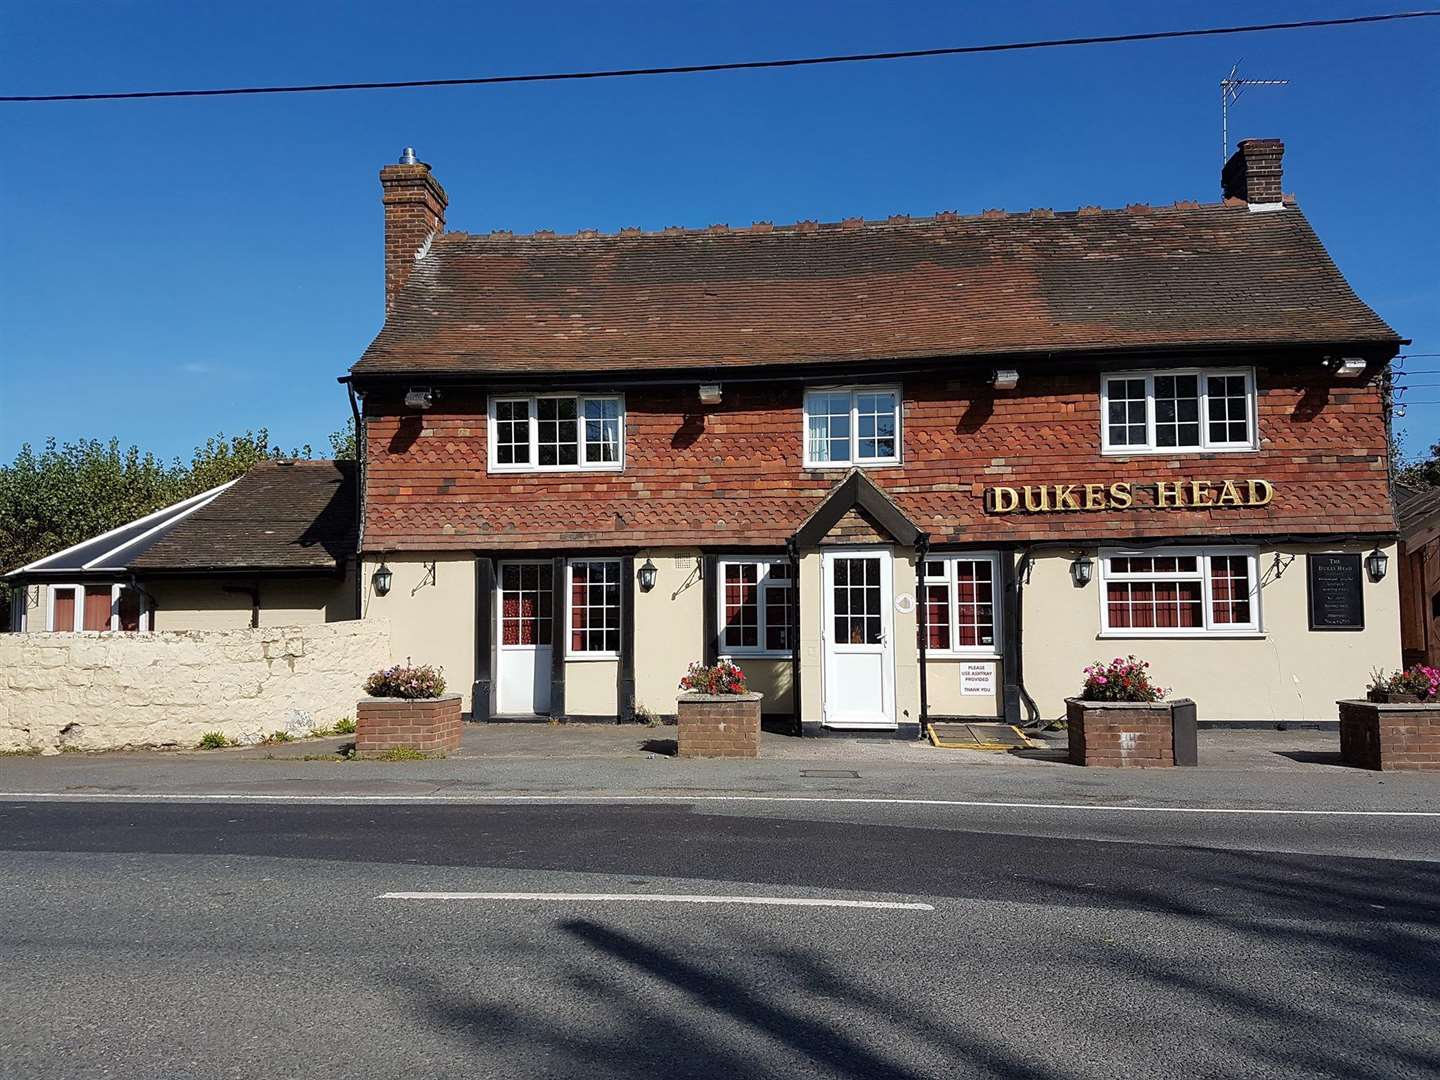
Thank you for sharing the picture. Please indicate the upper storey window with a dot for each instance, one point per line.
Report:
(852, 426)
(1158, 412)
(556, 432)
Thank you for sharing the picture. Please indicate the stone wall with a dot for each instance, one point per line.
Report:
(103, 691)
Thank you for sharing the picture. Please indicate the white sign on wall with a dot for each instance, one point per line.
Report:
(977, 678)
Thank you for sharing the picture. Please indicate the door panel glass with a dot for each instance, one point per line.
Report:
(525, 598)
(856, 602)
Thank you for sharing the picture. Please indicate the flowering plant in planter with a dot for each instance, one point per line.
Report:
(723, 678)
(405, 681)
(1122, 679)
(1419, 681)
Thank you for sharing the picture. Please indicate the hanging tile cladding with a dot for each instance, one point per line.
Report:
(739, 478)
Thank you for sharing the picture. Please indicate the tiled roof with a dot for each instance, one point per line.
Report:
(946, 286)
(277, 516)
(1415, 508)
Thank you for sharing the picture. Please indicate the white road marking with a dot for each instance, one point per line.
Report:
(662, 898)
(865, 800)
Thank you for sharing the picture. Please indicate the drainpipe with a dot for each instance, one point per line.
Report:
(360, 454)
(1022, 574)
(922, 548)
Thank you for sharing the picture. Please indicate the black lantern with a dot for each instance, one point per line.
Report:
(646, 575)
(1376, 563)
(1080, 571)
(381, 578)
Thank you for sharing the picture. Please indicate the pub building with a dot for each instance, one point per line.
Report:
(898, 470)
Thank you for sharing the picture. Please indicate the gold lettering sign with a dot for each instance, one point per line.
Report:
(1164, 495)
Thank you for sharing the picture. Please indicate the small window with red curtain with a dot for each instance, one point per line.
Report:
(960, 613)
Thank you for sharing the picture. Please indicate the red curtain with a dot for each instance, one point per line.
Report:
(97, 607)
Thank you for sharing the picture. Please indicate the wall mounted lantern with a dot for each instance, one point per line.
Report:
(1376, 563)
(382, 578)
(646, 574)
(1080, 571)
(1004, 378)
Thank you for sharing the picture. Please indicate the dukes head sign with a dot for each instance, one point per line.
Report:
(1125, 495)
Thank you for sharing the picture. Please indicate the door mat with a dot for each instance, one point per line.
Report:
(977, 736)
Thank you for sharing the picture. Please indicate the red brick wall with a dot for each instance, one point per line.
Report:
(721, 729)
(1123, 737)
(1398, 737)
(431, 726)
(712, 475)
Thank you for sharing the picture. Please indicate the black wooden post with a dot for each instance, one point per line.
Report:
(1010, 640)
(480, 689)
(626, 689)
(710, 603)
(559, 636)
(922, 549)
(796, 709)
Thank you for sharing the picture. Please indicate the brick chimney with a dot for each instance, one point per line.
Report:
(414, 212)
(1253, 172)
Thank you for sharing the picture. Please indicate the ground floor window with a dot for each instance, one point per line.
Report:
(595, 608)
(1179, 592)
(105, 606)
(756, 598)
(525, 598)
(958, 592)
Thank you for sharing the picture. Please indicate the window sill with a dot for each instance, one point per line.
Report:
(581, 658)
(951, 654)
(542, 470)
(888, 463)
(735, 654)
(1176, 451)
(1204, 635)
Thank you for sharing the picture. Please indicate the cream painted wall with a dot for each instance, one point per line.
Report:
(203, 603)
(1291, 673)
(812, 674)
(431, 622)
(943, 687)
(669, 627)
(773, 678)
(592, 687)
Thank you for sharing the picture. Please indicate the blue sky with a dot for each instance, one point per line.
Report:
(176, 268)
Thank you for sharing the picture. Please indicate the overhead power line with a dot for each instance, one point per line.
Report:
(742, 65)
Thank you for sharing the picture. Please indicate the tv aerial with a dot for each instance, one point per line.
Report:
(1231, 87)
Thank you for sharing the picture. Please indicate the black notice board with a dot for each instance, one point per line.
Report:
(1335, 592)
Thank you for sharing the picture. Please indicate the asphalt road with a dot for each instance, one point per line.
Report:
(241, 940)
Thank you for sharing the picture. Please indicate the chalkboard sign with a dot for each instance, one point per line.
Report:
(1335, 592)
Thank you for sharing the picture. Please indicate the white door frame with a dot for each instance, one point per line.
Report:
(499, 632)
(829, 648)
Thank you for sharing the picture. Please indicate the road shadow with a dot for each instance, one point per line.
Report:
(1315, 757)
(715, 1023)
(668, 747)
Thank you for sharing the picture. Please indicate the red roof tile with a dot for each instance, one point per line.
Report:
(1140, 278)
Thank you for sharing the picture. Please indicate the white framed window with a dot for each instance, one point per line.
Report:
(1163, 412)
(754, 607)
(961, 598)
(594, 615)
(1179, 592)
(556, 432)
(852, 426)
(102, 606)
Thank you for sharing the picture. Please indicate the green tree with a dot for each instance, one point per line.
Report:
(1421, 473)
(69, 492)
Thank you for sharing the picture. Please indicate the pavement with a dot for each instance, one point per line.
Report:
(1242, 770)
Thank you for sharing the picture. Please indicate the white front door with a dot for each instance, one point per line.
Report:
(858, 634)
(523, 638)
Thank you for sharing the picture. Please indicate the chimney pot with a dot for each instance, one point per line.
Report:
(1254, 172)
(407, 156)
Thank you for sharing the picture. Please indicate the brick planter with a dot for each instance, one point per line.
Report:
(1131, 734)
(430, 725)
(1390, 736)
(719, 725)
